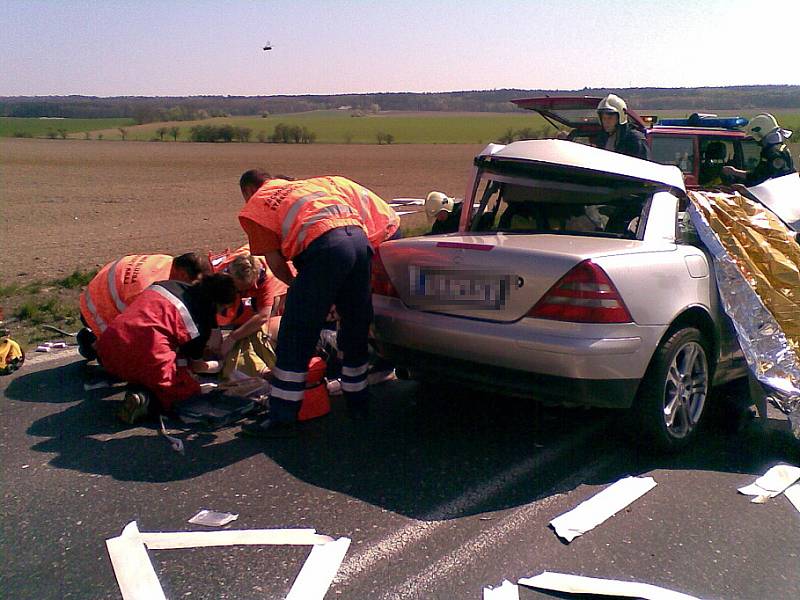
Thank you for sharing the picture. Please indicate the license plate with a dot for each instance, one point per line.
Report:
(434, 288)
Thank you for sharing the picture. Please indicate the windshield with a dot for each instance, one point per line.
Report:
(517, 205)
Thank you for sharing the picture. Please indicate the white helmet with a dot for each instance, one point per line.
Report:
(436, 202)
(761, 126)
(615, 105)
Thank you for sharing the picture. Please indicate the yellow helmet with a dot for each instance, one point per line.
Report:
(761, 126)
(436, 202)
(615, 105)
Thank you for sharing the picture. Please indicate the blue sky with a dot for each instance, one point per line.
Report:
(109, 48)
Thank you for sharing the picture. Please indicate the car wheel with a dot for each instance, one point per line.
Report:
(672, 395)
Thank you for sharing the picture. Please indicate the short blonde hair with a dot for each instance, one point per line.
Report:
(244, 268)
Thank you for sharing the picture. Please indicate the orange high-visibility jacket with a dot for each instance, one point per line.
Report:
(117, 284)
(298, 212)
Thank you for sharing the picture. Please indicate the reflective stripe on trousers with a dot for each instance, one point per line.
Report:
(354, 379)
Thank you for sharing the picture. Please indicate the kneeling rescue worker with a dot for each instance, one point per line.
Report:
(168, 321)
(328, 227)
(618, 134)
(775, 160)
(118, 283)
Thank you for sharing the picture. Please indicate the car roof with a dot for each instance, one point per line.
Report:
(580, 156)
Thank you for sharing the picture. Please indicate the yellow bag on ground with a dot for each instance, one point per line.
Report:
(11, 356)
(251, 356)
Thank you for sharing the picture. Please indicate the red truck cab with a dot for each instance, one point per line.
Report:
(697, 146)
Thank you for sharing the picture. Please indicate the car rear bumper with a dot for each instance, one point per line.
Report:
(568, 362)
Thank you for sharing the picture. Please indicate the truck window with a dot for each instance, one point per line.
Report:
(673, 150)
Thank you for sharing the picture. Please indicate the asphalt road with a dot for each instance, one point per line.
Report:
(442, 492)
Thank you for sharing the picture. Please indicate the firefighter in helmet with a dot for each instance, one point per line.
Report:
(775, 160)
(619, 134)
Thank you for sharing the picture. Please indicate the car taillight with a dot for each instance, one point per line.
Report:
(584, 295)
(381, 284)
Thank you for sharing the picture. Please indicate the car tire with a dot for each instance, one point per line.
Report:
(672, 395)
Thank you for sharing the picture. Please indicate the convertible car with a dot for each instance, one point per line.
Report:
(574, 278)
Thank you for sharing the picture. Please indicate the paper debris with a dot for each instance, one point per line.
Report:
(213, 518)
(43, 348)
(320, 568)
(793, 494)
(407, 202)
(506, 591)
(98, 385)
(770, 484)
(135, 574)
(233, 537)
(576, 584)
(601, 506)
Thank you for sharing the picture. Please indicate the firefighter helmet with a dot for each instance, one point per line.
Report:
(761, 125)
(437, 202)
(613, 104)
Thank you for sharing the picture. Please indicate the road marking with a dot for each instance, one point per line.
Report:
(471, 550)
(420, 529)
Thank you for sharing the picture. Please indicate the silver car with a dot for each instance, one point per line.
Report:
(573, 279)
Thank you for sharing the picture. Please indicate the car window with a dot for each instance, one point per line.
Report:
(751, 152)
(551, 208)
(715, 153)
(673, 150)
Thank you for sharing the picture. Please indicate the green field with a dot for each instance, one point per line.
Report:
(35, 127)
(336, 126)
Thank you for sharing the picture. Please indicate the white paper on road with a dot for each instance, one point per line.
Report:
(320, 568)
(407, 202)
(601, 506)
(400, 213)
(135, 574)
(793, 494)
(213, 518)
(506, 591)
(771, 483)
(234, 537)
(577, 584)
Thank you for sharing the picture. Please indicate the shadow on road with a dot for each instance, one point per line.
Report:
(427, 454)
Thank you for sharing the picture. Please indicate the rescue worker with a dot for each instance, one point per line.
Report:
(328, 227)
(248, 347)
(118, 283)
(168, 321)
(619, 135)
(775, 160)
(443, 212)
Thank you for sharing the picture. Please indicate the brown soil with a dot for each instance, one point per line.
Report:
(70, 204)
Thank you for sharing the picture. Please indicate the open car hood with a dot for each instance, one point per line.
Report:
(576, 112)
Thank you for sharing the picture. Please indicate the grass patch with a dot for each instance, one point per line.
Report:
(35, 127)
(76, 279)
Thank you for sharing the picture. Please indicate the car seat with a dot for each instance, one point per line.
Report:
(714, 158)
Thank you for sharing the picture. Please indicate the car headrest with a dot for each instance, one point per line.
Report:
(716, 151)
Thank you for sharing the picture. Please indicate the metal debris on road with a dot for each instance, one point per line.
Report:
(505, 591)
(577, 584)
(601, 506)
(212, 518)
(772, 483)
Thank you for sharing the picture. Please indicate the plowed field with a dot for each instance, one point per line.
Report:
(70, 204)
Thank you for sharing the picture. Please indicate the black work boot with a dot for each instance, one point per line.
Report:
(268, 428)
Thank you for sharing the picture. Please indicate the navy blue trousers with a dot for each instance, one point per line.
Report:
(334, 269)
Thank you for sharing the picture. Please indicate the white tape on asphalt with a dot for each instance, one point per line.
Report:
(771, 483)
(315, 577)
(576, 584)
(233, 537)
(506, 591)
(418, 530)
(135, 574)
(471, 551)
(603, 505)
(793, 494)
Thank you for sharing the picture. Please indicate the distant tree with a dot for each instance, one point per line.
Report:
(381, 137)
(389, 138)
(508, 137)
(62, 133)
(264, 114)
(348, 137)
(99, 136)
(226, 133)
(307, 136)
(297, 134)
(51, 134)
(174, 131)
(161, 132)
(123, 133)
(281, 133)
(242, 133)
(87, 135)
(262, 136)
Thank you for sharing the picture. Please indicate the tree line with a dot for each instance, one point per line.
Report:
(153, 109)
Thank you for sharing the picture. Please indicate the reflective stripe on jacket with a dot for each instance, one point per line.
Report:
(117, 284)
(298, 212)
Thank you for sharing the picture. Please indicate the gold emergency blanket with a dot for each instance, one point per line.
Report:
(757, 265)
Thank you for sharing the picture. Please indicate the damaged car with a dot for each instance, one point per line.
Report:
(573, 279)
